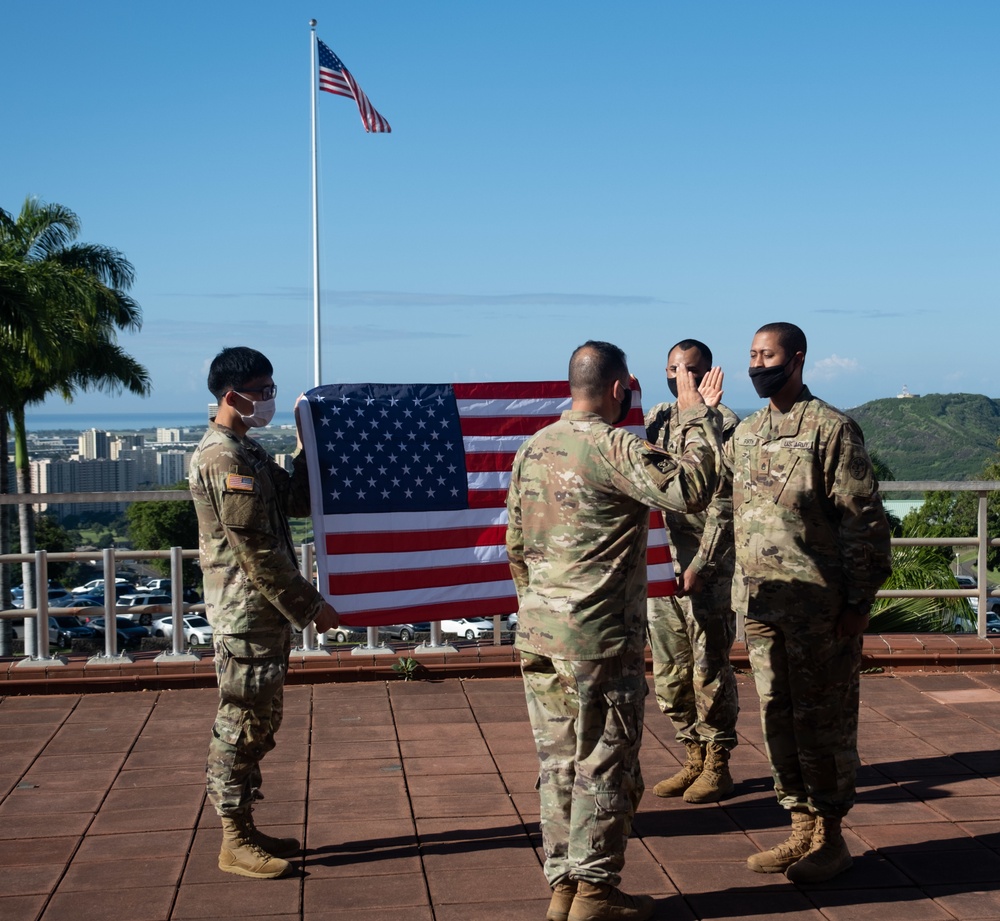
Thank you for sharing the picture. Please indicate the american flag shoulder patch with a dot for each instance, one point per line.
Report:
(239, 482)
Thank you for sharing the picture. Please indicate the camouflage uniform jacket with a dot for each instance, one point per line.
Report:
(252, 581)
(702, 539)
(578, 517)
(811, 533)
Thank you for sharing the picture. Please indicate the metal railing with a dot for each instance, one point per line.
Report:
(982, 542)
(37, 638)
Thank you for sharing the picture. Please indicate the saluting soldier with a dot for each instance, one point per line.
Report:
(691, 634)
(578, 509)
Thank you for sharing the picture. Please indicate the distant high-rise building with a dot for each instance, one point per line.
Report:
(95, 445)
(172, 466)
(145, 464)
(120, 443)
(81, 476)
(166, 436)
(284, 460)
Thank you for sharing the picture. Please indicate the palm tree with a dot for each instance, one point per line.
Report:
(61, 304)
(920, 568)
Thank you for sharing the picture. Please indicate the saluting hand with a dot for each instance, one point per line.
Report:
(711, 387)
(688, 396)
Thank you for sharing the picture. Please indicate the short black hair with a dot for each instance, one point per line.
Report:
(686, 344)
(593, 366)
(790, 337)
(233, 368)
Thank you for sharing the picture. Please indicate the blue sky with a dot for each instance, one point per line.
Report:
(638, 172)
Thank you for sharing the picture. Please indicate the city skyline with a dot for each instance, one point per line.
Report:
(556, 172)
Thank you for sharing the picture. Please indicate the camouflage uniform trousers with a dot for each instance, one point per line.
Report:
(251, 681)
(587, 721)
(808, 681)
(693, 678)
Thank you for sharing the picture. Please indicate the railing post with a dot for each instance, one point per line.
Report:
(41, 657)
(42, 604)
(111, 655)
(309, 647)
(178, 652)
(177, 598)
(981, 581)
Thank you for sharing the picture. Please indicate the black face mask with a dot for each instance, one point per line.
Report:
(626, 406)
(768, 381)
(672, 384)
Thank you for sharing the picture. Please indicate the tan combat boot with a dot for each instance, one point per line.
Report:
(596, 902)
(241, 856)
(690, 771)
(276, 847)
(562, 899)
(715, 781)
(780, 857)
(828, 856)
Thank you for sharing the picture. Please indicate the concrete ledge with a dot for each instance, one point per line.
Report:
(887, 653)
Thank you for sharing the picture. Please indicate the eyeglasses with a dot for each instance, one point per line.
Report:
(268, 393)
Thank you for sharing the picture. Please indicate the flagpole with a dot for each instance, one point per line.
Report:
(317, 352)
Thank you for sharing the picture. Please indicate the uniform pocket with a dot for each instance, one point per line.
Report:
(624, 720)
(242, 510)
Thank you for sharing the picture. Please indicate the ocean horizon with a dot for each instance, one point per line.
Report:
(125, 422)
(138, 421)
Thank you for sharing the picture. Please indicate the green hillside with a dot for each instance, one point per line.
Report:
(940, 436)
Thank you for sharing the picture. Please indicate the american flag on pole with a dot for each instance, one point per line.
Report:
(409, 489)
(337, 79)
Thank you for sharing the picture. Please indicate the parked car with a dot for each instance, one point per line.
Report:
(162, 587)
(93, 585)
(138, 599)
(512, 622)
(197, 630)
(64, 628)
(129, 634)
(60, 598)
(992, 622)
(346, 634)
(86, 601)
(137, 607)
(405, 632)
(470, 627)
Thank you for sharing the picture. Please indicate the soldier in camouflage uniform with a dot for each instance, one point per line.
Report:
(254, 592)
(691, 634)
(812, 548)
(576, 540)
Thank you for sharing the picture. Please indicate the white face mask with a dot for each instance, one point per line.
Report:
(263, 412)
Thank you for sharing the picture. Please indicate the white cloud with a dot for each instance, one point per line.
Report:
(828, 369)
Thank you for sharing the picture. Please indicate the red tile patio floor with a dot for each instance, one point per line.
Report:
(416, 801)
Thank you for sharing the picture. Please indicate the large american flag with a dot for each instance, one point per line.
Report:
(337, 79)
(409, 489)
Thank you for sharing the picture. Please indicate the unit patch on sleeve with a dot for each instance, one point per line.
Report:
(858, 467)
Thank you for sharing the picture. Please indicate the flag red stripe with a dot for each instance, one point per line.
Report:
(489, 461)
(504, 425)
(487, 498)
(657, 554)
(415, 541)
(511, 390)
(409, 579)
